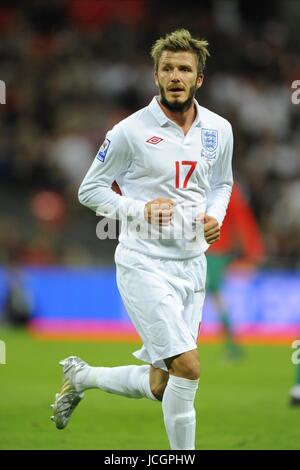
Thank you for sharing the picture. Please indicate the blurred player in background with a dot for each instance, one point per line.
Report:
(241, 245)
(172, 161)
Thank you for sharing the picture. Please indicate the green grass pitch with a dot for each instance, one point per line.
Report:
(241, 405)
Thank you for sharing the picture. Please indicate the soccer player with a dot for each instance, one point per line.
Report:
(241, 244)
(172, 161)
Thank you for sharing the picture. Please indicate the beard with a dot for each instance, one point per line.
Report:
(178, 106)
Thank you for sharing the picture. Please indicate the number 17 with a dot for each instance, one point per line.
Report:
(189, 173)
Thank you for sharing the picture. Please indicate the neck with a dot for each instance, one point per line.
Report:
(184, 119)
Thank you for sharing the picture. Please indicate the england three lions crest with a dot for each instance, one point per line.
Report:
(209, 138)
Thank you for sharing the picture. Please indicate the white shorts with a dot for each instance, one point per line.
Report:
(164, 299)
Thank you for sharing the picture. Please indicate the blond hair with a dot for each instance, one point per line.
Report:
(181, 40)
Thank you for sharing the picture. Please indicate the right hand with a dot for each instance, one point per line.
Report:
(159, 211)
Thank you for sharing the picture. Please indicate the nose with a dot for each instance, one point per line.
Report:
(175, 76)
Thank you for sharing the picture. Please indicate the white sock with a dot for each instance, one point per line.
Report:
(129, 381)
(179, 412)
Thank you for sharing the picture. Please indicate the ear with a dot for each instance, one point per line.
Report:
(199, 81)
(156, 77)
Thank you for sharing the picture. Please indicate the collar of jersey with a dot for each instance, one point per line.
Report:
(163, 119)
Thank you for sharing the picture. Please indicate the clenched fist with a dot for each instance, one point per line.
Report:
(159, 211)
(211, 229)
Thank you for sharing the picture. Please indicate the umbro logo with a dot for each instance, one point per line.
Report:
(154, 140)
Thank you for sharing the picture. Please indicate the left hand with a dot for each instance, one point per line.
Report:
(211, 229)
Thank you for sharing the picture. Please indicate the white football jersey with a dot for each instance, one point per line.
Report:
(150, 157)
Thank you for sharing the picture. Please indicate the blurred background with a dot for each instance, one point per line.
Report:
(72, 69)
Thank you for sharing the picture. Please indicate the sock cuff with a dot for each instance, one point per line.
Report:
(184, 388)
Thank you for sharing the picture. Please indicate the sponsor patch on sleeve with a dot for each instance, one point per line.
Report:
(103, 150)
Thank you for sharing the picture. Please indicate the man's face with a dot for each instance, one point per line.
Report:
(178, 80)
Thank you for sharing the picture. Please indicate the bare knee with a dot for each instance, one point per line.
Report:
(158, 390)
(185, 365)
(158, 382)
